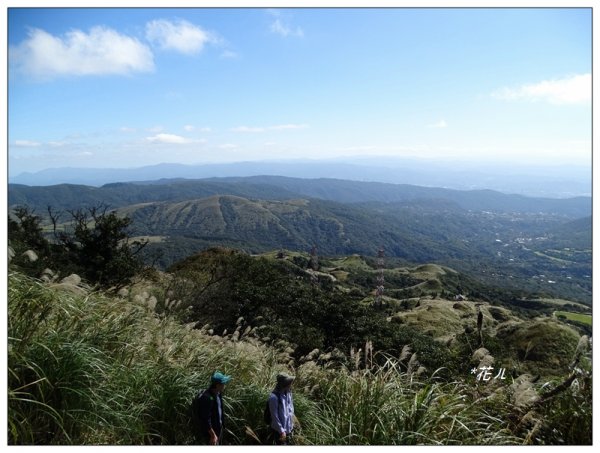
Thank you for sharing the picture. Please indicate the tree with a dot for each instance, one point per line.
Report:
(25, 231)
(96, 244)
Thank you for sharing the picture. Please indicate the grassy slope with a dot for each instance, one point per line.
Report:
(586, 319)
(92, 369)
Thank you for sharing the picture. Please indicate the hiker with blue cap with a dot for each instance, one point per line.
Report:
(207, 411)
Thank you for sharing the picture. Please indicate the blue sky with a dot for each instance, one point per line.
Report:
(133, 87)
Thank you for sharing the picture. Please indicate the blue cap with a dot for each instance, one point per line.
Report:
(219, 378)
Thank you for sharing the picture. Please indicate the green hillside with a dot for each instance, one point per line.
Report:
(413, 232)
(116, 195)
(88, 368)
(512, 242)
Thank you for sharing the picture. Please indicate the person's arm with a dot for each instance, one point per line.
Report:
(213, 440)
(291, 402)
(275, 421)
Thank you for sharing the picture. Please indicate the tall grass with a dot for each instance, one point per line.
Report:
(386, 405)
(99, 370)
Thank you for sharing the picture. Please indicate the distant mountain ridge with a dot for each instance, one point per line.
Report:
(540, 181)
(117, 195)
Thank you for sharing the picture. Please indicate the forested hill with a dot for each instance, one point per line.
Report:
(65, 196)
(352, 191)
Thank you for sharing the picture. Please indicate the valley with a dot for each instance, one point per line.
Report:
(541, 246)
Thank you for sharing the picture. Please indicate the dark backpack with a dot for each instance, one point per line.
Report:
(267, 412)
(195, 406)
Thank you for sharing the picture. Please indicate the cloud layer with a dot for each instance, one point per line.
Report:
(576, 89)
(101, 51)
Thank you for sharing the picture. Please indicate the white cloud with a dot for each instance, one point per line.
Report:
(439, 125)
(102, 51)
(285, 30)
(127, 129)
(26, 143)
(282, 27)
(180, 36)
(169, 139)
(227, 146)
(576, 89)
(279, 127)
(189, 128)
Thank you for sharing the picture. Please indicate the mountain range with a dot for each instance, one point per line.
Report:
(539, 244)
(282, 188)
(539, 180)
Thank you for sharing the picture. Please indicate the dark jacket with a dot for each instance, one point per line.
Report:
(205, 412)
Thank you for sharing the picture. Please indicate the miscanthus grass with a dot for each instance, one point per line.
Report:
(100, 370)
(94, 370)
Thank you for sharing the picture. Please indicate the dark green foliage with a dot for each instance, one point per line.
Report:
(96, 245)
(567, 418)
(224, 285)
(25, 232)
(93, 243)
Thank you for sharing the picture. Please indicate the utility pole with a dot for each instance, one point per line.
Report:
(314, 259)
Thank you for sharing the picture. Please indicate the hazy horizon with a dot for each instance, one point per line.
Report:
(359, 160)
(564, 181)
(127, 88)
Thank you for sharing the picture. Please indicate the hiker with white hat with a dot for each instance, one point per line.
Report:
(281, 406)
